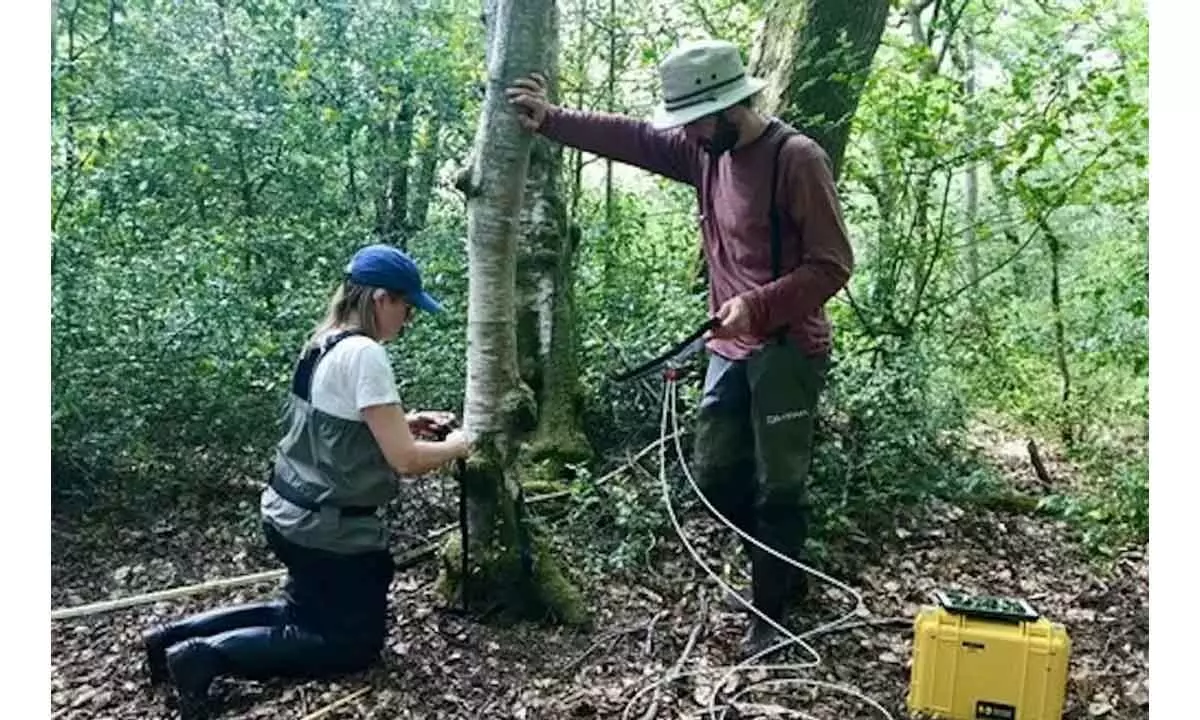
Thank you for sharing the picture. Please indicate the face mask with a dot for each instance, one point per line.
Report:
(725, 136)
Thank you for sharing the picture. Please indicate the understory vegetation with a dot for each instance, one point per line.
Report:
(216, 164)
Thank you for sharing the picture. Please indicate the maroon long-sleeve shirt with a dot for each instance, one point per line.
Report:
(733, 192)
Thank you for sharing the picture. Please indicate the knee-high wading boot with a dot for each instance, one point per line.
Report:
(157, 640)
(737, 505)
(192, 665)
(260, 653)
(779, 588)
(771, 581)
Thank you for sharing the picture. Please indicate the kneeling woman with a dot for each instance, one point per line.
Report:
(347, 441)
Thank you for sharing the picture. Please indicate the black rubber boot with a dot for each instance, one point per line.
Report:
(158, 640)
(192, 665)
(797, 591)
(771, 579)
(260, 653)
(758, 638)
(254, 653)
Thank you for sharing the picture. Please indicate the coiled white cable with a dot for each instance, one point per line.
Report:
(669, 413)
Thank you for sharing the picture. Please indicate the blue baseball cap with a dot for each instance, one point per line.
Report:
(388, 267)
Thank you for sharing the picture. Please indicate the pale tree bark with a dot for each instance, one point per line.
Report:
(546, 324)
(509, 568)
(972, 182)
(816, 56)
(583, 46)
(53, 32)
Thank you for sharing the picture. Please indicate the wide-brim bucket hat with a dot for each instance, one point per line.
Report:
(700, 78)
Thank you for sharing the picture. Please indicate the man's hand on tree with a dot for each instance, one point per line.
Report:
(528, 95)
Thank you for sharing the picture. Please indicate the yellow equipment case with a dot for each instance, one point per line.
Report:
(987, 658)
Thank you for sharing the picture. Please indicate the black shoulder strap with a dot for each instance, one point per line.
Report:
(776, 230)
(302, 378)
(773, 211)
(776, 239)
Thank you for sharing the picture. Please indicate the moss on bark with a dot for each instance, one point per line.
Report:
(511, 570)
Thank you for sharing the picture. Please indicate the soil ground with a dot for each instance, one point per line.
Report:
(440, 665)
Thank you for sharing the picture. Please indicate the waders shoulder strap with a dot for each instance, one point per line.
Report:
(302, 378)
(776, 230)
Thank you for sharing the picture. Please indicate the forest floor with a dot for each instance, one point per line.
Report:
(440, 665)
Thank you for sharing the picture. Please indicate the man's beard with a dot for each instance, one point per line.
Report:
(725, 136)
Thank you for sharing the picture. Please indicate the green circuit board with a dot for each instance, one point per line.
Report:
(986, 606)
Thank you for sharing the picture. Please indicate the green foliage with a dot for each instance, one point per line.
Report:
(889, 436)
(214, 168)
(622, 518)
(1055, 134)
(635, 298)
(1115, 513)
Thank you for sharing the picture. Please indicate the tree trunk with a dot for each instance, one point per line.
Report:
(611, 106)
(351, 173)
(580, 71)
(53, 33)
(972, 181)
(225, 54)
(815, 82)
(71, 158)
(1066, 426)
(509, 569)
(391, 205)
(560, 438)
(546, 338)
(418, 213)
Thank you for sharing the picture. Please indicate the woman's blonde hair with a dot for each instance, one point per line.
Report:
(352, 305)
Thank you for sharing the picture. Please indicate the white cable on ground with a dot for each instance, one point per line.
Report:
(168, 594)
(670, 413)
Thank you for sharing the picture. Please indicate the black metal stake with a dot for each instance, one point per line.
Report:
(460, 469)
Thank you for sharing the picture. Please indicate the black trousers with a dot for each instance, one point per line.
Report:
(331, 619)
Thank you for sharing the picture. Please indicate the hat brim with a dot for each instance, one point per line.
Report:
(425, 301)
(667, 119)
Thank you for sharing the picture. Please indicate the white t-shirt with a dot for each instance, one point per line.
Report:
(354, 375)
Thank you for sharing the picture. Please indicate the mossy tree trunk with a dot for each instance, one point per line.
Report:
(816, 55)
(509, 568)
(546, 339)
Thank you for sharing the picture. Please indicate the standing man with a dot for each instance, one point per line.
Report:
(776, 249)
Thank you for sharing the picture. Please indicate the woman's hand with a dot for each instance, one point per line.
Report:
(436, 425)
(412, 456)
(459, 443)
(431, 425)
